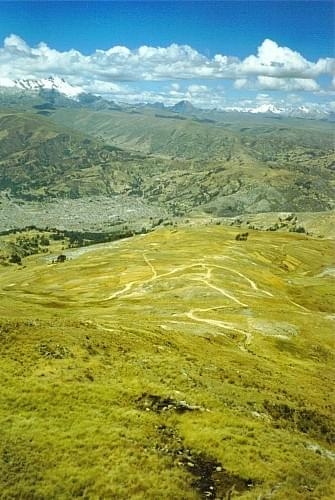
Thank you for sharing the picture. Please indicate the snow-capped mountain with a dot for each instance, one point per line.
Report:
(51, 83)
(308, 111)
(267, 108)
(293, 111)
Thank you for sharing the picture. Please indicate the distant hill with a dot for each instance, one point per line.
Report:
(206, 136)
(187, 165)
(40, 159)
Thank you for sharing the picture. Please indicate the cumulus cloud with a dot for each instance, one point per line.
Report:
(273, 67)
(275, 83)
(200, 95)
(282, 62)
(287, 84)
(196, 89)
(241, 83)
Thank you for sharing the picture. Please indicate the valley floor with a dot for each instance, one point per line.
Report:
(177, 364)
(95, 213)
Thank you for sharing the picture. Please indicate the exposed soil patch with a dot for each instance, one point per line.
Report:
(212, 480)
(159, 404)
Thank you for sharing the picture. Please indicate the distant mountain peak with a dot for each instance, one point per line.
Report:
(293, 111)
(183, 107)
(50, 83)
(267, 108)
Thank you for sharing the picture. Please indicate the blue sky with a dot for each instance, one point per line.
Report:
(210, 27)
(236, 29)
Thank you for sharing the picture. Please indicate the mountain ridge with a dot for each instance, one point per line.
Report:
(79, 95)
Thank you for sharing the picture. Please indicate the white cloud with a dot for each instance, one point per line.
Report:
(200, 95)
(241, 83)
(102, 88)
(275, 61)
(273, 66)
(6, 82)
(294, 99)
(197, 89)
(263, 99)
(14, 43)
(276, 83)
(287, 84)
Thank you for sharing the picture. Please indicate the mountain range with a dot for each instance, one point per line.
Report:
(57, 85)
(53, 147)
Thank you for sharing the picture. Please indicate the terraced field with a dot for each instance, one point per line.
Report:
(178, 364)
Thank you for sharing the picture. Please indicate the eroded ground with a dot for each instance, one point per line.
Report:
(239, 332)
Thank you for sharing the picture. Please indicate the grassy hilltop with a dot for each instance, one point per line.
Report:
(178, 364)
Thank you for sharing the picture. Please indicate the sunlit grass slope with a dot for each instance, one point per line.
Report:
(179, 364)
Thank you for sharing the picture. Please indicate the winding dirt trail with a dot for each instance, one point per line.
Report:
(252, 284)
(203, 274)
(155, 276)
(154, 272)
(218, 323)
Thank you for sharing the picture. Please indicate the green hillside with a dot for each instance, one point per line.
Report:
(40, 159)
(153, 132)
(194, 137)
(183, 361)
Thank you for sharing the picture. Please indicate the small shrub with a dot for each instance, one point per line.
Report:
(56, 351)
(61, 258)
(15, 259)
(242, 237)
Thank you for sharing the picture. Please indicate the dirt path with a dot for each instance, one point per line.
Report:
(155, 276)
(224, 292)
(252, 284)
(219, 324)
(154, 272)
(203, 274)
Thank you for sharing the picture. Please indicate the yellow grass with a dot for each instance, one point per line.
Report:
(243, 330)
